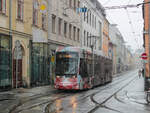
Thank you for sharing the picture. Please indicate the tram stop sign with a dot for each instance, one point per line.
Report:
(144, 56)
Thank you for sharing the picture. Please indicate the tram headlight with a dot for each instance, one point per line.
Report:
(57, 76)
(74, 76)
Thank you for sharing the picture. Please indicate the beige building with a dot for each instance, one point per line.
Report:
(20, 20)
(64, 23)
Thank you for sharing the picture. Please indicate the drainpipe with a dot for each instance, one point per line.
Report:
(10, 17)
(10, 34)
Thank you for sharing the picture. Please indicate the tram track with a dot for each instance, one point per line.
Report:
(47, 107)
(133, 100)
(19, 108)
(47, 103)
(98, 105)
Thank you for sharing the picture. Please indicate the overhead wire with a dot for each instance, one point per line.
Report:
(107, 2)
(128, 15)
(136, 39)
(132, 28)
(129, 2)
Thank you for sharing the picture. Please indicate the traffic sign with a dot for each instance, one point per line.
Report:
(144, 56)
(82, 10)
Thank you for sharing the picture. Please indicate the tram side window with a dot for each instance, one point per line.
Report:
(97, 67)
(83, 68)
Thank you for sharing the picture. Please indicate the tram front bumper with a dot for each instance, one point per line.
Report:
(67, 86)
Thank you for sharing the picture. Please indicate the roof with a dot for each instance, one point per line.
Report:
(79, 49)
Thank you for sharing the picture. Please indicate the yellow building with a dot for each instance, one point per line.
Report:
(105, 45)
(22, 25)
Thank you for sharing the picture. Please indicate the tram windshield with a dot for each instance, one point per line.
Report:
(66, 63)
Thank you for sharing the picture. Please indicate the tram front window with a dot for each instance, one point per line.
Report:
(66, 64)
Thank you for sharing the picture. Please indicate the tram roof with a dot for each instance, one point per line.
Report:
(79, 49)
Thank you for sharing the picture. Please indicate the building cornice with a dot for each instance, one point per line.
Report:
(16, 32)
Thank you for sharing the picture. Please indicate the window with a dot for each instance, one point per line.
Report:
(78, 34)
(35, 12)
(83, 71)
(70, 3)
(84, 15)
(100, 34)
(75, 5)
(90, 39)
(70, 29)
(95, 22)
(20, 10)
(53, 23)
(59, 26)
(87, 39)
(78, 3)
(90, 17)
(95, 43)
(84, 38)
(3, 6)
(74, 33)
(65, 29)
(43, 21)
(87, 17)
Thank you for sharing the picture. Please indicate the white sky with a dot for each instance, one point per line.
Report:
(131, 31)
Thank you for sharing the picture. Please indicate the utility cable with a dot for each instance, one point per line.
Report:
(107, 2)
(132, 28)
(129, 2)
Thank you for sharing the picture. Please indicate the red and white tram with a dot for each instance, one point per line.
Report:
(77, 68)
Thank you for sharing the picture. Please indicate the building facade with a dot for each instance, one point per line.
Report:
(112, 42)
(92, 24)
(64, 23)
(146, 36)
(119, 55)
(20, 20)
(106, 39)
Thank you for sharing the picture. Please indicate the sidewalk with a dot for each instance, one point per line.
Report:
(119, 74)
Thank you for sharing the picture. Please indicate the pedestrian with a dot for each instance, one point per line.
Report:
(143, 72)
(139, 73)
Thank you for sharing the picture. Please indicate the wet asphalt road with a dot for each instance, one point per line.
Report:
(124, 95)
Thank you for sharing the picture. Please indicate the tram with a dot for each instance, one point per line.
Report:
(78, 68)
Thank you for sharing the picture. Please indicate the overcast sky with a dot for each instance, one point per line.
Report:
(129, 21)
